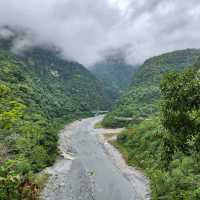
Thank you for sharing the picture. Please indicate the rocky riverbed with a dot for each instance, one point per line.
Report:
(92, 169)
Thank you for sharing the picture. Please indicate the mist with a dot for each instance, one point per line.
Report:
(85, 31)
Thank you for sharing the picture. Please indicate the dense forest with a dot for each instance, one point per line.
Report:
(114, 74)
(142, 98)
(166, 144)
(39, 92)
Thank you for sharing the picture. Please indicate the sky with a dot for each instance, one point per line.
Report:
(87, 30)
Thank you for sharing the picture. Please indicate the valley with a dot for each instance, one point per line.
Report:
(157, 104)
(142, 98)
(93, 174)
(114, 74)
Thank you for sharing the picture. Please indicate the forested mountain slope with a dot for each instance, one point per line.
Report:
(38, 91)
(141, 99)
(166, 147)
(115, 75)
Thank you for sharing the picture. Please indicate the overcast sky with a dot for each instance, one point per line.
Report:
(86, 29)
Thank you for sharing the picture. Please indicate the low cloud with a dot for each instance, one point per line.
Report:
(86, 30)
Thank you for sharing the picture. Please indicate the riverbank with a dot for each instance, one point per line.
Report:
(90, 168)
(139, 182)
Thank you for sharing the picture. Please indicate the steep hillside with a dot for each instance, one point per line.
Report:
(114, 74)
(166, 147)
(197, 64)
(140, 101)
(38, 93)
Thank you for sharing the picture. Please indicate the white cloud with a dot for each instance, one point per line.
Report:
(85, 30)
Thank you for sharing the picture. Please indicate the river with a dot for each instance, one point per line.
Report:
(89, 173)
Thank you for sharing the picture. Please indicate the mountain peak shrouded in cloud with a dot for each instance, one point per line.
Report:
(6, 33)
(114, 55)
(85, 29)
(18, 40)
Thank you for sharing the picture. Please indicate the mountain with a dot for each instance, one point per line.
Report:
(166, 147)
(39, 92)
(67, 85)
(197, 63)
(141, 99)
(115, 75)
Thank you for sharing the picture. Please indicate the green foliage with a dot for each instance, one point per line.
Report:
(4, 90)
(115, 75)
(15, 181)
(181, 110)
(39, 93)
(167, 147)
(142, 147)
(141, 99)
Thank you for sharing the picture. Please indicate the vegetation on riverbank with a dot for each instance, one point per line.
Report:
(39, 93)
(141, 100)
(166, 147)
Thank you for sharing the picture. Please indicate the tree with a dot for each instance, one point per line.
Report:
(180, 111)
